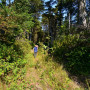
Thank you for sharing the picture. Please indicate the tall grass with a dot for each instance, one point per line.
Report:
(53, 75)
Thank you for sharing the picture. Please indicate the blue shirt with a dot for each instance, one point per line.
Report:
(35, 49)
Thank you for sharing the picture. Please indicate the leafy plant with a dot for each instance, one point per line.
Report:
(73, 51)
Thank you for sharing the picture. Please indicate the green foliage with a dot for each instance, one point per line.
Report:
(74, 53)
(15, 22)
(79, 57)
(22, 46)
(12, 57)
(8, 58)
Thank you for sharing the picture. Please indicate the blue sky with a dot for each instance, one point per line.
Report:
(7, 0)
(47, 0)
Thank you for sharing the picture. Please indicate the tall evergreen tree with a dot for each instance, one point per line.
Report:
(49, 13)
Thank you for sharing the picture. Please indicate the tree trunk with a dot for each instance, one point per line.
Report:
(54, 28)
(9, 3)
(69, 20)
(51, 32)
(60, 13)
(82, 12)
(30, 35)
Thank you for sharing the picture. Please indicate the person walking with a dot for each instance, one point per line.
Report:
(35, 50)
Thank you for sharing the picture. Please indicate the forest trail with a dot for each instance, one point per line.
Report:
(41, 73)
(33, 75)
(41, 77)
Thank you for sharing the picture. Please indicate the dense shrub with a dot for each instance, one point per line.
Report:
(78, 60)
(12, 56)
(22, 46)
(73, 51)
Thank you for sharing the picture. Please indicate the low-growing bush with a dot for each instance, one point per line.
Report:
(22, 46)
(12, 56)
(73, 52)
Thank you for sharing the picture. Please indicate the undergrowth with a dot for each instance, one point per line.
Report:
(50, 74)
(13, 61)
(53, 75)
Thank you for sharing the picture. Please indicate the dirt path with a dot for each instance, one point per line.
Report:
(37, 77)
(32, 76)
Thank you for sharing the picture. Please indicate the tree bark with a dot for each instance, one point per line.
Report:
(82, 12)
(69, 20)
